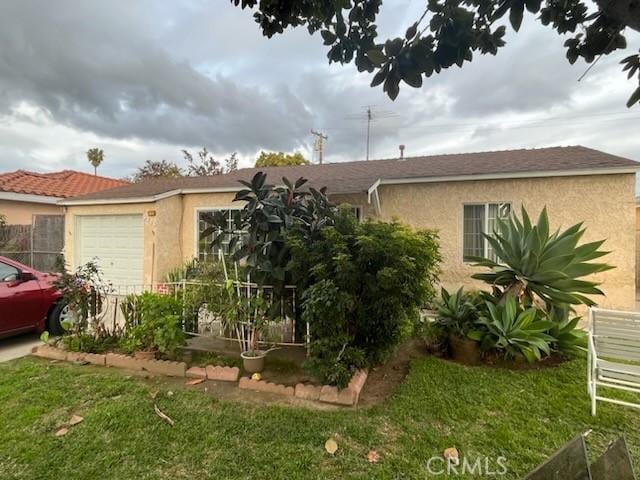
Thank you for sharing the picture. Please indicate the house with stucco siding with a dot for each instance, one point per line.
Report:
(139, 232)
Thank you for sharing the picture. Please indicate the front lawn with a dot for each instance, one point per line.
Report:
(523, 416)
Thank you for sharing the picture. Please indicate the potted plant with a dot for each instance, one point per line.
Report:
(457, 314)
(433, 334)
(246, 314)
(153, 326)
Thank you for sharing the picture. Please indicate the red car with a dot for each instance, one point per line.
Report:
(28, 300)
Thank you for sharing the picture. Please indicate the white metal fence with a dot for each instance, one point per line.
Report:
(200, 315)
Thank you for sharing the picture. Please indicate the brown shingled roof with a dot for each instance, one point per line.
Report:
(64, 184)
(356, 177)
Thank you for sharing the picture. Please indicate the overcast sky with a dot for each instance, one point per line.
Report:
(145, 79)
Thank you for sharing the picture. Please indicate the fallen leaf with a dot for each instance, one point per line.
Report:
(451, 454)
(63, 431)
(373, 456)
(195, 381)
(154, 394)
(75, 419)
(162, 415)
(331, 446)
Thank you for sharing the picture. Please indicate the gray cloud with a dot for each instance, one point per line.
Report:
(147, 79)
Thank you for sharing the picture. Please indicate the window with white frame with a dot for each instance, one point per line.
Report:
(357, 212)
(481, 219)
(206, 249)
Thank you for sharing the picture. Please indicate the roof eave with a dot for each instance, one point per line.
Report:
(28, 197)
(507, 176)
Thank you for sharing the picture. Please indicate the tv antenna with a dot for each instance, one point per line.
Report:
(371, 115)
(318, 144)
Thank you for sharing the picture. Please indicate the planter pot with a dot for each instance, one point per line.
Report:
(145, 355)
(435, 347)
(464, 350)
(253, 362)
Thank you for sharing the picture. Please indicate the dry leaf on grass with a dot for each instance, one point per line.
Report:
(373, 456)
(162, 415)
(75, 419)
(195, 381)
(62, 432)
(331, 446)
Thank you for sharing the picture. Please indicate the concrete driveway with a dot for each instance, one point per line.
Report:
(16, 347)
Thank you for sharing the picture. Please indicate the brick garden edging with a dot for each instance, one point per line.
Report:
(348, 396)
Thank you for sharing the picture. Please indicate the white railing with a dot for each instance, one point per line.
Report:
(199, 314)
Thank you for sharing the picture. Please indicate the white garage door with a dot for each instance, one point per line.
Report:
(116, 241)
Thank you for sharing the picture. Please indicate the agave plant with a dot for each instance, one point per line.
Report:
(539, 267)
(456, 312)
(513, 330)
(568, 338)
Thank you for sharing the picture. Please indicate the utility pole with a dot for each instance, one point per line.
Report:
(368, 129)
(318, 145)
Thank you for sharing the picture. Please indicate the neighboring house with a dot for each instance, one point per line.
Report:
(141, 231)
(28, 203)
(24, 194)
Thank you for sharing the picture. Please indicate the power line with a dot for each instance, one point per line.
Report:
(571, 120)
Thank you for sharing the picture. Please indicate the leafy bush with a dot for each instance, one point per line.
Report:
(457, 312)
(433, 334)
(94, 342)
(155, 325)
(541, 268)
(361, 283)
(257, 237)
(510, 329)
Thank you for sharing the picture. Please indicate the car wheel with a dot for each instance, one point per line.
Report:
(58, 315)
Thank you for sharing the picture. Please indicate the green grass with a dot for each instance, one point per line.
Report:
(523, 416)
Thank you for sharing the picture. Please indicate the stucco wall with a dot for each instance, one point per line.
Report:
(20, 213)
(606, 204)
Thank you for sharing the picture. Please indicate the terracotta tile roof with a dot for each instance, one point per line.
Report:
(356, 177)
(64, 184)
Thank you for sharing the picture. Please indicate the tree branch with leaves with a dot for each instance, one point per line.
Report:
(449, 32)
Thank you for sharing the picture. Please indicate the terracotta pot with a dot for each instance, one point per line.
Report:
(253, 362)
(145, 355)
(464, 350)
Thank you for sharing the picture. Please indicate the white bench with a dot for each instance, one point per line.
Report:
(613, 354)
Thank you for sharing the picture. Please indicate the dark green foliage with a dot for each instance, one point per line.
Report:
(269, 212)
(155, 325)
(512, 330)
(100, 342)
(363, 284)
(457, 312)
(539, 267)
(448, 33)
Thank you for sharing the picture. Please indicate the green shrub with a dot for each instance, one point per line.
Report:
(363, 283)
(158, 326)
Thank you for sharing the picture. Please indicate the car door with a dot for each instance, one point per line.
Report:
(20, 301)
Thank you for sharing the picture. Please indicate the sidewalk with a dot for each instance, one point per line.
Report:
(16, 347)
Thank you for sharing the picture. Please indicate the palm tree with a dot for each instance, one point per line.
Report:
(95, 156)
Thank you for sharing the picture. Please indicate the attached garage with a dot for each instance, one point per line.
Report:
(116, 242)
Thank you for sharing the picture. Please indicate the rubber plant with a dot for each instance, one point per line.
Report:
(539, 267)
